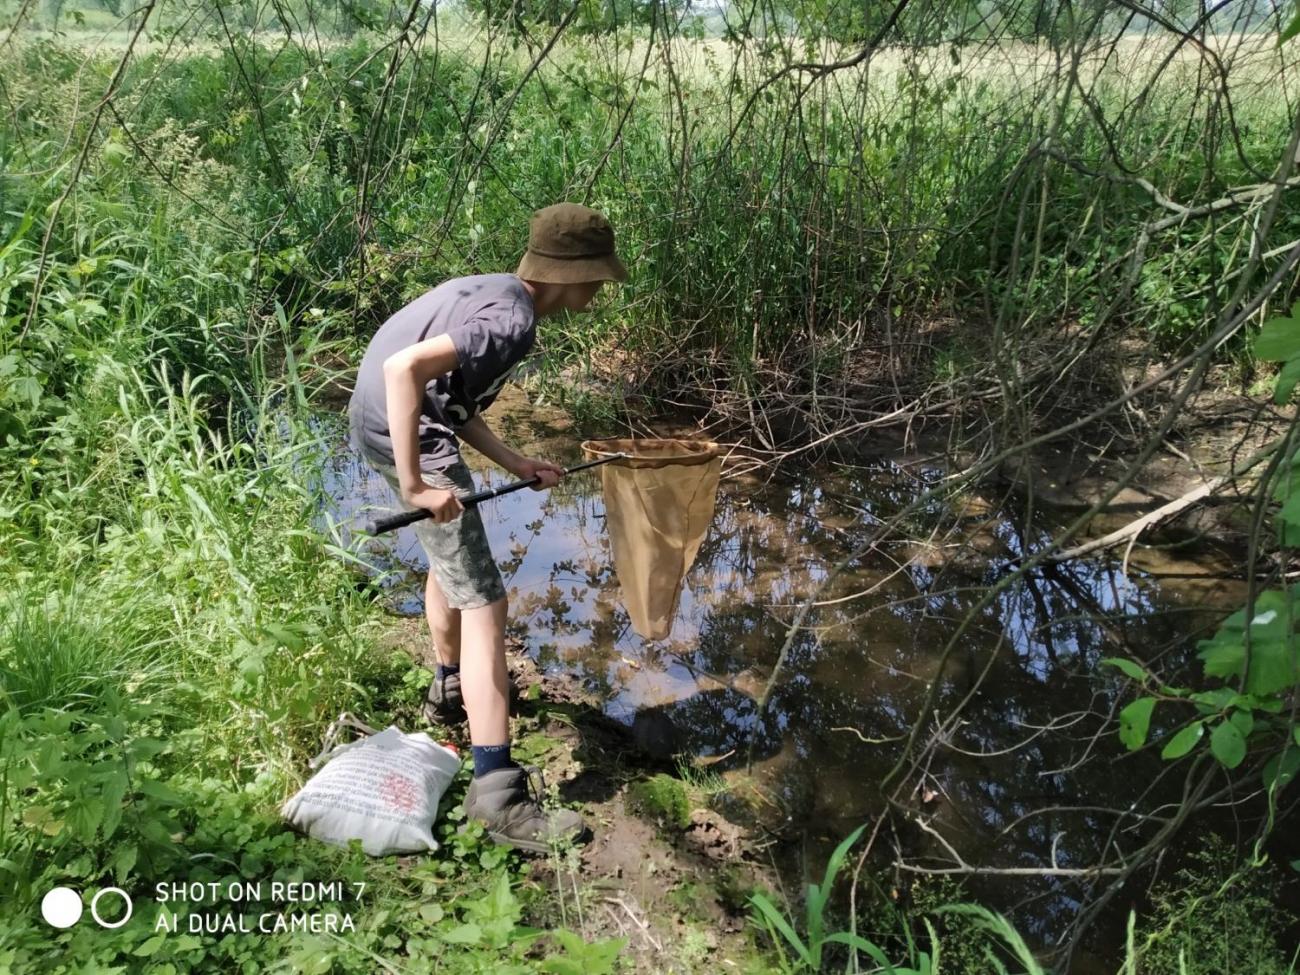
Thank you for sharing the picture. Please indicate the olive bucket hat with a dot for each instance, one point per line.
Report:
(570, 244)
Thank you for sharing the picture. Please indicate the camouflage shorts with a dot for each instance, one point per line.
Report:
(459, 555)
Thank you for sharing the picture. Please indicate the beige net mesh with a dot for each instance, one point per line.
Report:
(658, 506)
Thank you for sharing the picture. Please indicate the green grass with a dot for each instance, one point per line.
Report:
(72, 652)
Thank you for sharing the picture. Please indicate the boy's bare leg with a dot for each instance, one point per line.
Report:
(444, 623)
(484, 680)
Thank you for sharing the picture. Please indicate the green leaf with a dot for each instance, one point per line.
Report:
(1288, 481)
(583, 958)
(819, 894)
(864, 946)
(464, 934)
(150, 946)
(1127, 667)
(1135, 722)
(562, 966)
(1211, 702)
(84, 817)
(1272, 666)
(1243, 721)
(1278, 340)
(1281, 769)
(123, 861)
(156, 790)
(1227, 745)
(1291, 29)
(1288, 519)
(113, 794)
(1286, 382)
(1224, 655)
(146, 747)
(1183, 742)
(767, 911)
(285, 637)
(1272, 650)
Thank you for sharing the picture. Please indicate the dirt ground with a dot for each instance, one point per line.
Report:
(677, 893)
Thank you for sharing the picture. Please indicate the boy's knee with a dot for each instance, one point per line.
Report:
(493, 607)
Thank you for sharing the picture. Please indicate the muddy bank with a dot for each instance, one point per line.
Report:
(662, 869)
(1217, 436)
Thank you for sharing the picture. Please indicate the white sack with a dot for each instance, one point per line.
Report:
(382, 790)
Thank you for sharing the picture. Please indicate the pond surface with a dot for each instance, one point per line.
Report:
(1030, 777)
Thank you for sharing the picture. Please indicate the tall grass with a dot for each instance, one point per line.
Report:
(67, 649)
(786, 238)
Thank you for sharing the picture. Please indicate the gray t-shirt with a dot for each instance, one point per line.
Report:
(489, 318)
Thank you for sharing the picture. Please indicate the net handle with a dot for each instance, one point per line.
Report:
(381, 525)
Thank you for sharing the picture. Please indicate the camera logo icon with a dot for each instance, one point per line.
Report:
(62, 907)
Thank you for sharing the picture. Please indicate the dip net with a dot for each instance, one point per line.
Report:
(658, 507)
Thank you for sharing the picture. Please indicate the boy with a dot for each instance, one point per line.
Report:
(427, 374)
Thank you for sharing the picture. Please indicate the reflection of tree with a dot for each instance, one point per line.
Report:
(1025, 775)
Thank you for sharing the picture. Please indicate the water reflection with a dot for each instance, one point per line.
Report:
(1023, 779)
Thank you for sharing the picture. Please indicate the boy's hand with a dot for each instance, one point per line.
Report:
(443, 506)
(548, 474)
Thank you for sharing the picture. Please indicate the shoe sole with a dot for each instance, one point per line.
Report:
(433, 717)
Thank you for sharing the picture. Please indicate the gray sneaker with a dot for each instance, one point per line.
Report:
(509, 803)
(443, 703)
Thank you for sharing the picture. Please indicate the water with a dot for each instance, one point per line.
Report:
(1030, 777)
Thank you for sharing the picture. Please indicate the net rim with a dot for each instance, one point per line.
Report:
(687, 451)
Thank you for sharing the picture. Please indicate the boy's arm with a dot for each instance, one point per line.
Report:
(406, 374)
(478, 435)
